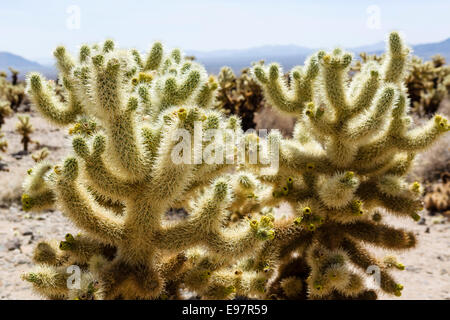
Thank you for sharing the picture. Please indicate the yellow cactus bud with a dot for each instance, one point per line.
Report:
(69, 238)
(27, 202)
(349, 175)
(57, 170)
(254, 224)
(415, 187)
(318, 286)
(64, 245)
(400, 266)
(182, 114)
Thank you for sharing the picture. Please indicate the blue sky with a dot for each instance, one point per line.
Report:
(33, 28)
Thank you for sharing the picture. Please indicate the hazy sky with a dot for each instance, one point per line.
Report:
(33, 28)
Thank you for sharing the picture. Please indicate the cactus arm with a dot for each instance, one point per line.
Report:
(394, 66)
(100, 176)
(276, 90)
(402, 205)
(48, 280)
(304, 82)
(38, 194)
(423, 137)
(380, 235)
(206, 95)
(117, 115)
(168, 178)
(46, 102)
(289, 100)
(154, 58)
(175, 94)
(64, 61)
(333, 75)
(79, 207)
(299, 159)
(235, 243)
(372, 123)
(366, 94)
(360, 257)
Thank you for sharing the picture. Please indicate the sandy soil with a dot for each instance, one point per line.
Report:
(427, 274)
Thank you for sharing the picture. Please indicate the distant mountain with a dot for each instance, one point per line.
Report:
(426, 51)
(287, 55)
(291, 55)
(23, 65)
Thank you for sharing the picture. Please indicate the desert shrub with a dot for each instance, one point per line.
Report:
(239, 95)
(13, 92)
(437, 198)
(25, 129)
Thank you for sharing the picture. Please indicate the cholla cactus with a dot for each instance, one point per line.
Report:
(13, 92)
(342, 172)
(25, 129)
(437, 199)
(426, 84)
(14, 76)
(40, 155)
(239, 95)
(3, 147)
(123, 179)
(5, 111)
(3, 143)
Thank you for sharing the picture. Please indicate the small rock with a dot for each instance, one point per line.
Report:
(12, 244)
(422, 221)
(427, 230)
(27, 233)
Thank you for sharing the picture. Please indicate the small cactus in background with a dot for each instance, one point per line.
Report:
(239, 95)
(426, 84)
(14, 76)
(3, 143)
(5, 111)
(40, 155)
(13, 92)
(25, 129)
(343, 170)
(437, 198)
(3, 147)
